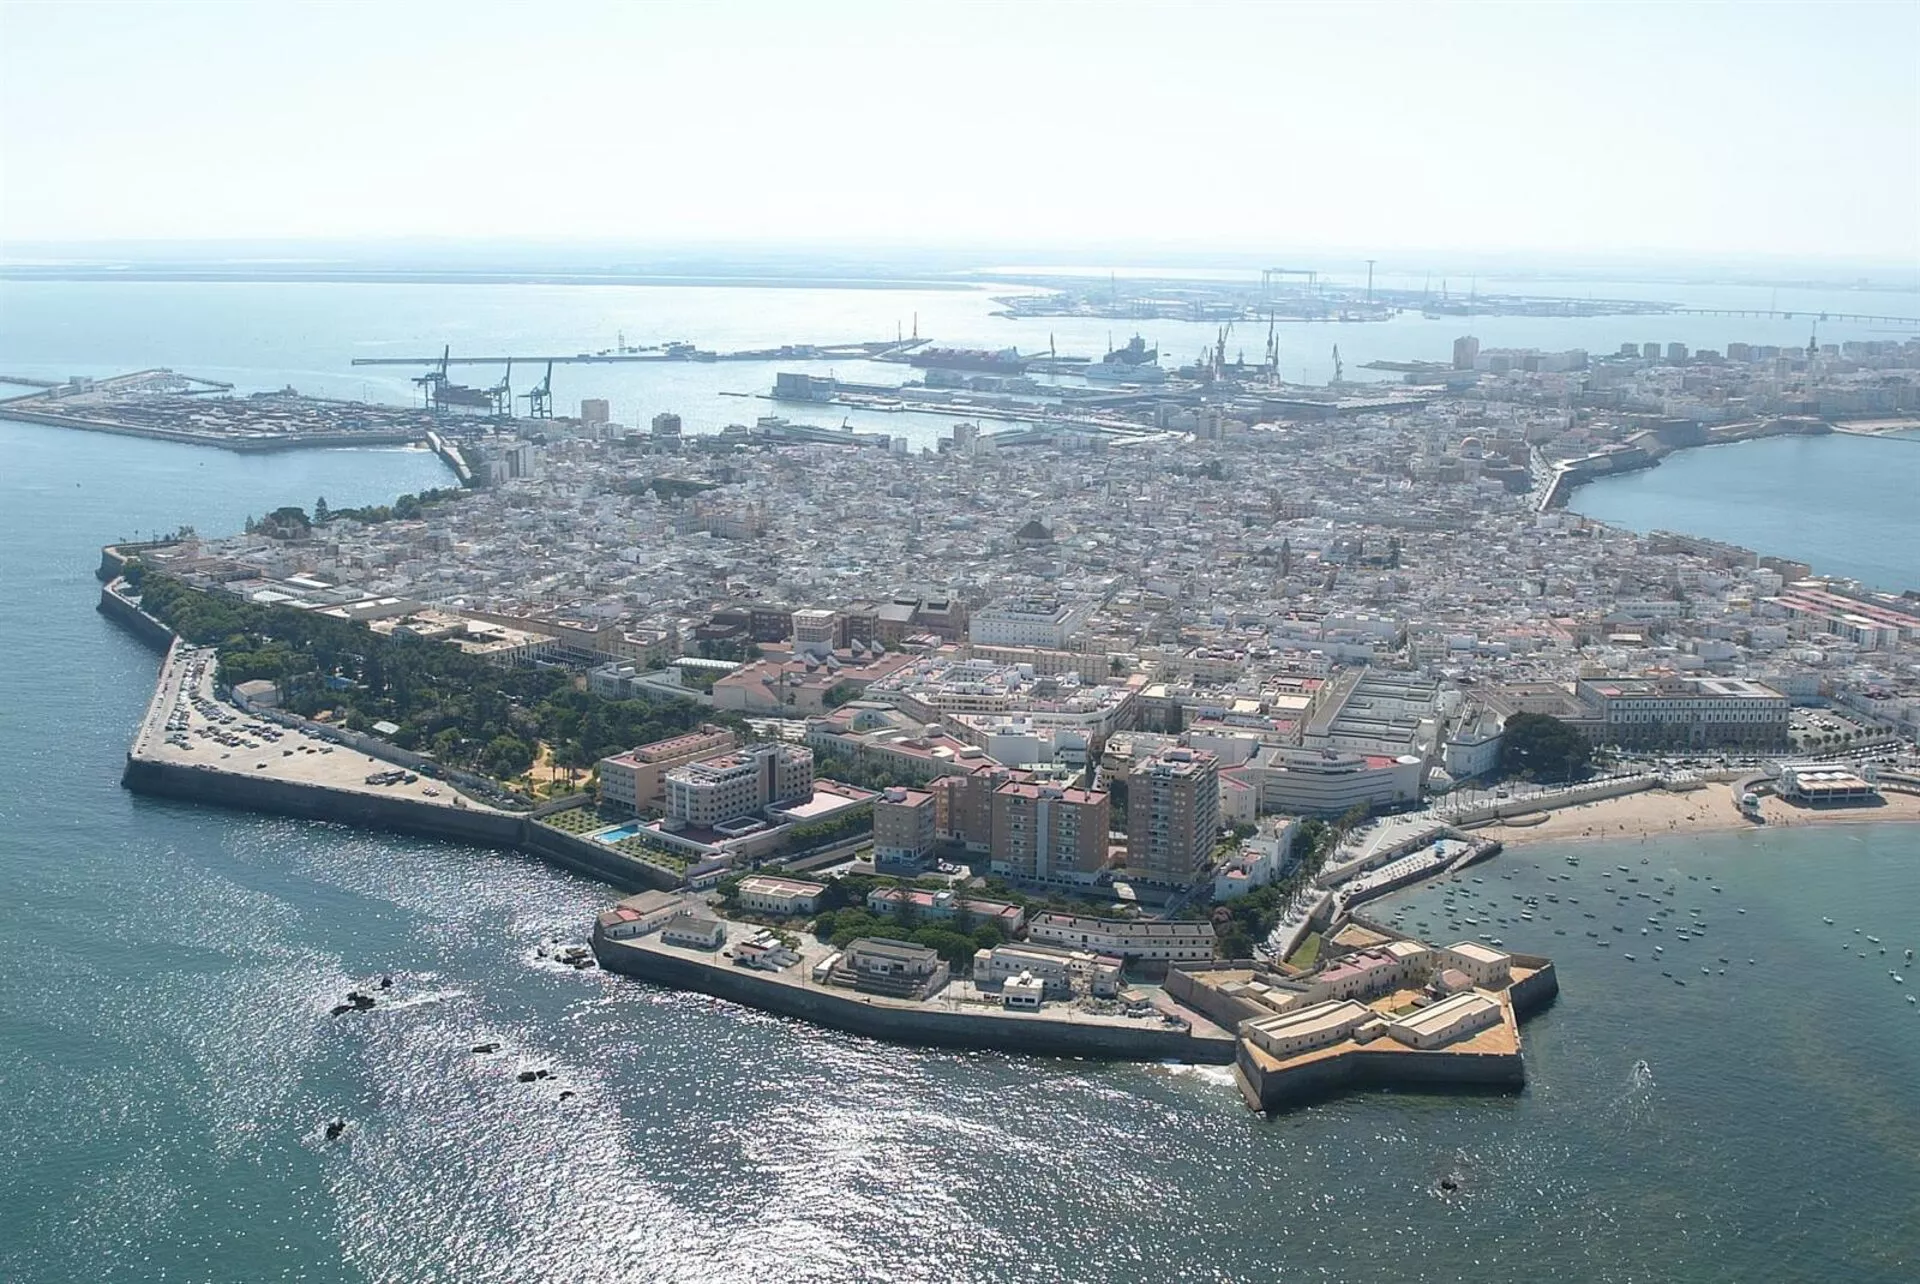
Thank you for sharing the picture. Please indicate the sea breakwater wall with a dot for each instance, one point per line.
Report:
(933, 1026)
(223, 441)
(123, 611)
(1284, 1089)
(307, 801)
(1534, 993)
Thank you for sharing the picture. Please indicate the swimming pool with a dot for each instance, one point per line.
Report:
(614, 835)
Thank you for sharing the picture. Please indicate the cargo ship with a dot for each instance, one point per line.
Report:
(1003, 361)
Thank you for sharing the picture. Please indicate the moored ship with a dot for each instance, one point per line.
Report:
(1001, 361)
(1135, 363)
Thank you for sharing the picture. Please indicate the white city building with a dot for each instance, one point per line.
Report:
(737, 784)
(1177, 942)
(765, 894)
(1047, 623)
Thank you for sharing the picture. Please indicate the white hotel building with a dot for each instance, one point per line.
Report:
(1047, 623)
(738, 784)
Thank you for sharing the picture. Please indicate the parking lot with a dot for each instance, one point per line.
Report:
(190, 725)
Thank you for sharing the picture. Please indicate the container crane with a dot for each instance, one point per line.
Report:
(540, 400)
(434, 381)
(502, 393)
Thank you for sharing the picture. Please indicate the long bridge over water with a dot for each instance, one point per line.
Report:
(1802, 314)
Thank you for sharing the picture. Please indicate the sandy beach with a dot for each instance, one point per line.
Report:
(1708, 808)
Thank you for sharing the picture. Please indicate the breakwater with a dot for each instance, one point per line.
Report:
(304, 801)
(124, 611)
(242, 444)
(920, 1024)
(1273, 1091)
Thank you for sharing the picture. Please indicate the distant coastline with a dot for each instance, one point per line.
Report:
(1835, 507)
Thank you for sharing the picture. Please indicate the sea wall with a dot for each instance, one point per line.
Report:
(399, 815)
(1576, 473)
(136, 621)
(243, 445)
(1365, 1068)
(317, 802)
(1531, 994)
(854, 1014)
(114, 558)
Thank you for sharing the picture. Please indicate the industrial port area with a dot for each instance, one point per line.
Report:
(162, 405)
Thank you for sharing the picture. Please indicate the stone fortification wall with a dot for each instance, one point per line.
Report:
(1534, 993)
(136, 621)
(316, 802)
(115, 557)
(567, 803)
(850, 1012)
(348, 807)
(401, 815)
(1365, 1068)
(1223, 1009)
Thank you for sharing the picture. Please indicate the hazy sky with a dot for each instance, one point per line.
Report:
(1789, 129)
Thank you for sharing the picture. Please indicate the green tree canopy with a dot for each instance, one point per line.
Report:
(1542, 747)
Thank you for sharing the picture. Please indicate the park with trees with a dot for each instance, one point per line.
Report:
(464, 710)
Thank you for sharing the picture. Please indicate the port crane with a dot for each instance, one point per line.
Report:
(1269, 275)
(434, 381)
(502, 393)
(540, 400)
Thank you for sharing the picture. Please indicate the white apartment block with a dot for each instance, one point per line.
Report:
(1056, 969)
(1126, 938)
(738, 784)
(1041, 622)
(814, 631)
